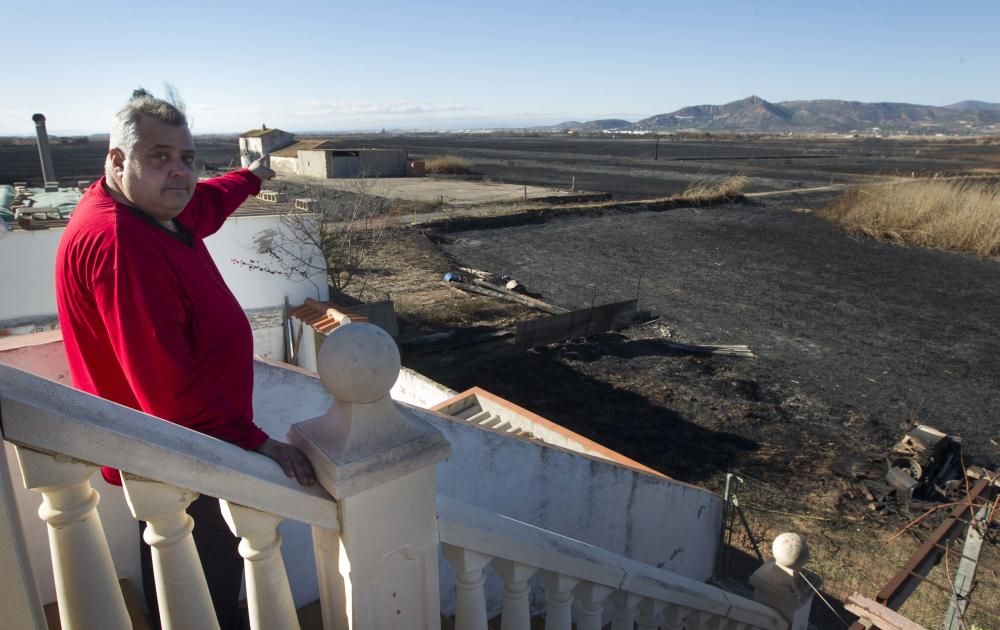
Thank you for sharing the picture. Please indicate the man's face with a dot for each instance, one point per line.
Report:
(158, 175)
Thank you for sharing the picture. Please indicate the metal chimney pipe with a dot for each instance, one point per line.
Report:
(44, 153)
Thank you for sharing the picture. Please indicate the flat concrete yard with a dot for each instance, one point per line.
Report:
(453, 192)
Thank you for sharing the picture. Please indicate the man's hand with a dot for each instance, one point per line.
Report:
(291, 460)
(260, 168)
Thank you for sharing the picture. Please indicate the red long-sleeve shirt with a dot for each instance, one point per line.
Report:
(147, 319)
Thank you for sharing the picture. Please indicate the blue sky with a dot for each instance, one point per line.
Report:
(370, 65)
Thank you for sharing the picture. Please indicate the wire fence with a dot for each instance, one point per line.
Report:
(854, 553)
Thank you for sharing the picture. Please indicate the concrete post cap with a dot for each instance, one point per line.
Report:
(790, 550)
(358, 363)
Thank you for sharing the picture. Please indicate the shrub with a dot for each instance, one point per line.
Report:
(728, 188)
(954, 215)
(448, 165)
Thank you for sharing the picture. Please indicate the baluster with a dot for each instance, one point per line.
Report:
(591, 609)
(516, 611)
(625, 609)
(559, 601)
(85, 579)
(701, 620)
(470, 597)
(649, 614)
(674, 617)
(269, 596)
(181, 590)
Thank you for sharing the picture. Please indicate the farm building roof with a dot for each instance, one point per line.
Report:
(259, 133)
(303, 145)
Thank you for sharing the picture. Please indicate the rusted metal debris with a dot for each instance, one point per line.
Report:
(902, 585)
(925, 465)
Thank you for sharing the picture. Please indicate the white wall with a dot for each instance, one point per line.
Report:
(27, 258)
(287, 165)
(416, 389)
(256, 289)
(28, 261)
(315, 164)
(660, 522)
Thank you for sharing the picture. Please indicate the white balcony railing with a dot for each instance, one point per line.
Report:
(377, 525)
(572, 570)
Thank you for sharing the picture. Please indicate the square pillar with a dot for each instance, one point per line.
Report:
(377, 460)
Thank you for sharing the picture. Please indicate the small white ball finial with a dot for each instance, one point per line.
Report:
(790, 551)
(358, 363)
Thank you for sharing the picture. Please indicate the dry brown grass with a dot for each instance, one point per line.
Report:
(953, 215)
(728, 188)
(448, 165)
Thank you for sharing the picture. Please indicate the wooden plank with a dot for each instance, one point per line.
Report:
(575, 324)
(879, 615)
(520, 297)
(504, 294)
(966, 573)
(733, 351)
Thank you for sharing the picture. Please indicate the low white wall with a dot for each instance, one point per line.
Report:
(416, 389)
(28, 260)
(660, 522)
(27, 284)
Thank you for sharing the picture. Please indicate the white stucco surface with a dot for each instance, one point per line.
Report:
(29, 258)
(28, 282)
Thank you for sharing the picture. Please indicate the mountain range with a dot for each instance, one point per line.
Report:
(754, 114)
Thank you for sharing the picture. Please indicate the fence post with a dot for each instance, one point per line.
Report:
(377, 460)
(782, 583)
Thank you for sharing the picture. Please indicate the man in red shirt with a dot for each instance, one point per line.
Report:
(147, 319)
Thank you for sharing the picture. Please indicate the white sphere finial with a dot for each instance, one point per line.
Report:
(790, 550)
(358, 363)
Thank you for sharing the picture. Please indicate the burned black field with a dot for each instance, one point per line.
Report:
(855, 340)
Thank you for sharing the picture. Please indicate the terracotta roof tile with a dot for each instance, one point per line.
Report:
(323, 316)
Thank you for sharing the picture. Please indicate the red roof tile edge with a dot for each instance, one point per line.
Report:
(605, 452)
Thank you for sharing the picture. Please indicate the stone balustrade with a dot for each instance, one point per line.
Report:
(60, 435)
(378, 524)
(597, 585)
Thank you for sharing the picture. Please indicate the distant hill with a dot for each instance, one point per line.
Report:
(754, 114)
(975, 106)
(593, 126)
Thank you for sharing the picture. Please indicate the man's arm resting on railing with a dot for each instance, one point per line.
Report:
(292, 461)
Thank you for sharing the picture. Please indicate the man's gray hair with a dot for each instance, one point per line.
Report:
(125, 127)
